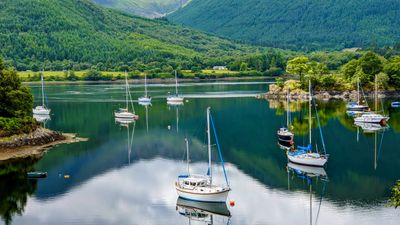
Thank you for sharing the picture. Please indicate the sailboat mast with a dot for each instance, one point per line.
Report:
(309, 109)
(176, 84)
(145, 85)
(287, 111)
(358, 90)
(41, 78)
(187, 155)
(310, 204)
(376, 94)
(209, 144)
(126, 89)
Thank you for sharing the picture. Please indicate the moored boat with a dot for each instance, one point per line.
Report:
(145, 100)
(123, 113)
(41, 109)
(284, 134)
(395, 104)
(35, 175)
(201, 187)
(175, 99)
(357, 106)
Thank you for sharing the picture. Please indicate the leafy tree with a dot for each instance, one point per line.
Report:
(392, 69)
(298, 66)
(243, 66)
(92, 75)
(15, 99)
(371, 64)
(350, 68)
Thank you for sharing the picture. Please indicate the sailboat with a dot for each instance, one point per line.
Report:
(123, 113)
(373, 117)
(305, 155)
(284, 135)
(356, 106)
(41, 109)
(175, 99)
(201, 187)
(145, 100)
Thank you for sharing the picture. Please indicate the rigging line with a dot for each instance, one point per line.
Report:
(219, 149)
(319, 126)
(365, 99)
(380, 144)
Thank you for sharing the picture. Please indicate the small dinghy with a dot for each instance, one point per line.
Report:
(395, 104)
(36, 175)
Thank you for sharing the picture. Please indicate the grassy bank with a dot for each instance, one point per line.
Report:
(27, 76)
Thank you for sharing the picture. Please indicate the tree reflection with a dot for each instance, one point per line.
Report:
(395, 199)
(15, 187)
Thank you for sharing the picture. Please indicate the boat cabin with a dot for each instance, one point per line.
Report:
(191, 181)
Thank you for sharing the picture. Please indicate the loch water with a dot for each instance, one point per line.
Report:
(125, 174)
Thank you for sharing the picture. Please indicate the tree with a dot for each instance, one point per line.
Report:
(371, 64)
(15, 99)
(298, 66)
(92, 75)
(392, 69)
(243, 66)
(350, 68)
(382, 80)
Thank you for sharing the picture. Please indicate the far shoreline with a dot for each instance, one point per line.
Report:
(155, 80)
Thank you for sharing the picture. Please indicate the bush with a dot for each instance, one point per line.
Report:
(12, 126)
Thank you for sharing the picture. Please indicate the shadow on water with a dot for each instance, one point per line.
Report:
(15, 187)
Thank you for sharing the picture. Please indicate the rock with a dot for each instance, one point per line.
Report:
(38, 137)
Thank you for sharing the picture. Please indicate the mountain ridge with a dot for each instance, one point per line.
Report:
(304, 25)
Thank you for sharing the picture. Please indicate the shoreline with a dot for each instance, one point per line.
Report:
(35, 147)
(153, 80)
(328, 95)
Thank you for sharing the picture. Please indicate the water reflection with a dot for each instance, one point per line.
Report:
(203, 212)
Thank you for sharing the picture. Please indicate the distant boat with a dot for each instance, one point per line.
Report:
(370, 127)
(283, 133)
(123, 113)
(145, 100)
(373, 117)
(305, 155)
(356, 106)
(200, 187)
(41, 109)
(175, 99)
(35, 175)
(395, 104)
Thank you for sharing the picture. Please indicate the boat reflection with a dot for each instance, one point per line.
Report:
(204, 212)
(285, 145)
(130, 134)
(309, 173)
(371, 127)
(41, 118)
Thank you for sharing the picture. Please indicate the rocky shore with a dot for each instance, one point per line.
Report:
(276, 92)
(34, 143)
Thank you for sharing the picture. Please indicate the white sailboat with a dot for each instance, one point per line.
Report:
(305, 155)
(200, 187)
(356, 106)
(123, 113)
(145, 100)
(284, 134)
(373, 117)
(41, 109)
(175, 99)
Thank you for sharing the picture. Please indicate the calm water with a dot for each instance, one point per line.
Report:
(126, 174)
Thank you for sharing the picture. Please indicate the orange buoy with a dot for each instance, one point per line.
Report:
(232, 203)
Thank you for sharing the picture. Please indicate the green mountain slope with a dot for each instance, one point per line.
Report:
(145, 8)
(61, 34)
(297, 23)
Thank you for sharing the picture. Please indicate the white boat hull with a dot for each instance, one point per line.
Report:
(126, 115)
(305, 159)
(217, 196)
(41, 111)
(144, 100)
(175, 99)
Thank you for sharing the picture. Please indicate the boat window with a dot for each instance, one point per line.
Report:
(187, 183)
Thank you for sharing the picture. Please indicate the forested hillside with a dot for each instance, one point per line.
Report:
(145, 8)
(78, 34)
(297, 24)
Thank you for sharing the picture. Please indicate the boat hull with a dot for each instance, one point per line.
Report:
(125, 115)
(285, 138)
(359, 108)
(41, 111)
(175, 99)
(217, 196)
(378, 119)
(308, 161)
